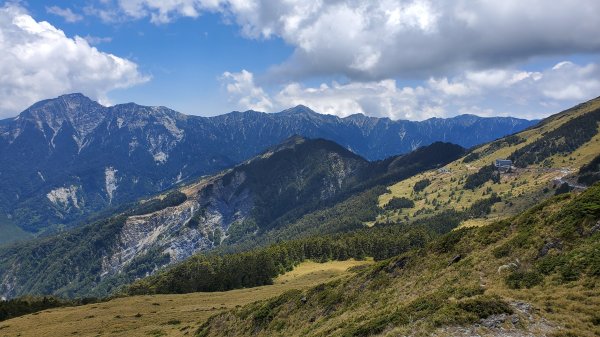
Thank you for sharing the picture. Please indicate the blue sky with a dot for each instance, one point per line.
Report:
(185, 58)
(403, 59)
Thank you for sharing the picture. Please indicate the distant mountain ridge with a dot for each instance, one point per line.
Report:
(68, 157)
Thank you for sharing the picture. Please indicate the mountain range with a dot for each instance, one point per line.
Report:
(66, 158)
(288, 191)
(441, 243)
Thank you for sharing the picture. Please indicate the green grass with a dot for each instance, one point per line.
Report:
(518, 190)
(429, 292)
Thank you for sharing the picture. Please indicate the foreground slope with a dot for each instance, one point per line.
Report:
(266, 194)
(537, 273)
(165, 315)
(66, 158)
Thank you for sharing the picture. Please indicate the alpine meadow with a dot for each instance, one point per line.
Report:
(387, 168)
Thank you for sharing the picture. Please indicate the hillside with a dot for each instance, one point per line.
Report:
(532, 274)
(535, 274)
(544, 157)
(283, 192)
(67, 158)
(517, 240)
(165, 315)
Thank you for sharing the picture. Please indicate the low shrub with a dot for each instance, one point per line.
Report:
(523, 279)
(485, 306)
(421, 185)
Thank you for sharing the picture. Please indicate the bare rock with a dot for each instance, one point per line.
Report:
(555, 244)
(455, 259)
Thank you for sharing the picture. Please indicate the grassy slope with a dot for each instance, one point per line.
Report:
(423, 293)
(518, 190)
(164, 315)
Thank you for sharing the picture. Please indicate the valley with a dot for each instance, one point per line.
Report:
(166, 315)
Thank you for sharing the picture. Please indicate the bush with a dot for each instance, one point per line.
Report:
(447, 242)
(523, 279)
(549, 264)
(485, 306)
(421, 185)
(471, 157)
(485, 174)
(399, 203)
(570, 272)
(562, 189)
(596, 319)
(502, 251)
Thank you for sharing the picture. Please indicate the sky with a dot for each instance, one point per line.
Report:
(402, 59)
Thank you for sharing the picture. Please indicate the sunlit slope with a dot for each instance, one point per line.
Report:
(519, 189)
(535, 274)
(164, 315)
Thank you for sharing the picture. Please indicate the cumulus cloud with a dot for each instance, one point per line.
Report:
(66, 13)
(375, 40)
(492, 92)
(242, 89)
(39, 61)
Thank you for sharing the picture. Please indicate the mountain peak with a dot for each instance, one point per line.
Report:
(75, 96)
(300, 110)
(49, 116)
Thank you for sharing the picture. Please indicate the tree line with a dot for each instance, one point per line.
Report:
(221, 272)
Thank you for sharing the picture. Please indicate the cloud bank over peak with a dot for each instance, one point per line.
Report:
(39, 61)
(492, 92)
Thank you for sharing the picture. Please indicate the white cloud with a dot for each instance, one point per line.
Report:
(374, 40)
(94, 40)
(39, 61)
(568, 81)
(242, 89)
(487, 93)
(66, 13)
(452, 89)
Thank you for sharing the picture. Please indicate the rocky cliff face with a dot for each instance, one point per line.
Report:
(211, 206)
(291, 175)
(66, 158)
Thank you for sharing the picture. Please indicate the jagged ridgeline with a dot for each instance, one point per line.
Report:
(493, 280)
(67, 158)
(299, 188)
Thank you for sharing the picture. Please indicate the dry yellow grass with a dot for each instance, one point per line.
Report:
(518, 190)
(164, 315)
